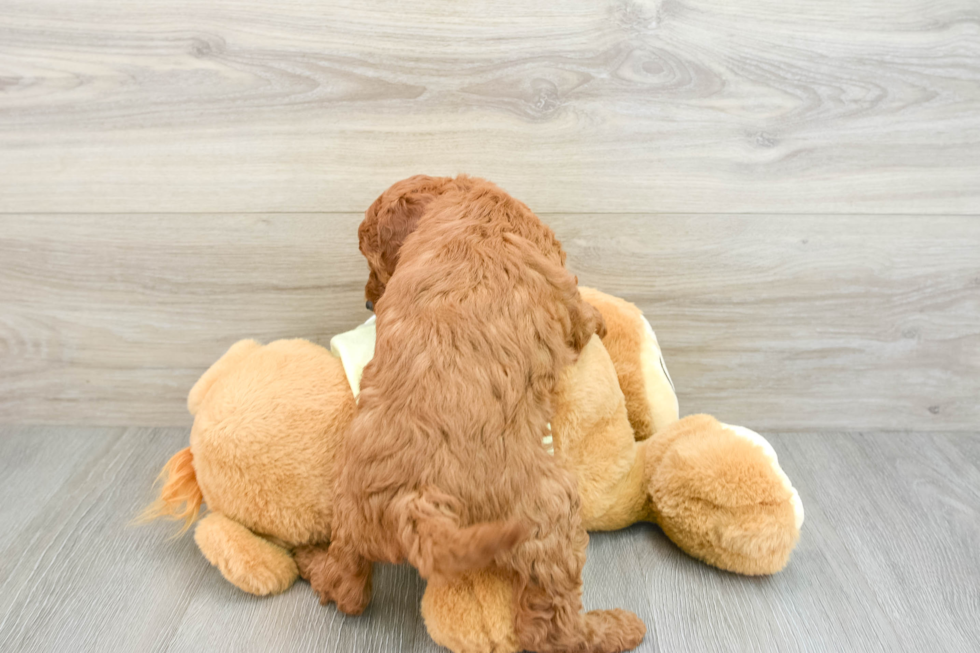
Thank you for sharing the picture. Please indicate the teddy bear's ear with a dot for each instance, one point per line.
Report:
(659, 387)
(651, 402)
(235, 354)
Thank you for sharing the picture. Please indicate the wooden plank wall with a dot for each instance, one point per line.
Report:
(790, 189)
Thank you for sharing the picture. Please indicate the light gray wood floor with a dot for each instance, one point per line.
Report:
(888, 560)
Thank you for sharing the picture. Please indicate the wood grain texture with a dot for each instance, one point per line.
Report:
(78, 577)
(627, 105)
(802, 322)
(899, 504)
(776, 322)
(886, 561)
(110, 319)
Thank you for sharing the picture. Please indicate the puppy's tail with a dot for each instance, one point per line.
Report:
(180, 495)
(434, 543)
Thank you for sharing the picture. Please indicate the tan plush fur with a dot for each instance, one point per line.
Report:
(267, 427)
(593, 439)
(718, 498)
(472, 614)
(443, 465)
(264, 438)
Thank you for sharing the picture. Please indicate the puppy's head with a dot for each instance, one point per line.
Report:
(389, 221)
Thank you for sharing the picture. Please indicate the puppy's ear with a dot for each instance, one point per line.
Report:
(369, 238)
(397, 223)
(392, 218)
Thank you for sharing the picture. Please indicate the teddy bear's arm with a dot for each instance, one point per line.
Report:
(246, 560)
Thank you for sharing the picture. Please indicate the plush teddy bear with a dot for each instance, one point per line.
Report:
(267, 427)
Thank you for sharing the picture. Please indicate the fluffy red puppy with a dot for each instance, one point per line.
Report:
(444, 464)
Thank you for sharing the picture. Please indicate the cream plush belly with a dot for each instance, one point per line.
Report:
(355, 349)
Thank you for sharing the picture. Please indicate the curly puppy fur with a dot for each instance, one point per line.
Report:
(443, 464)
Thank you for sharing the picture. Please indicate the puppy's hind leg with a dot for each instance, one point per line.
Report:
(546, 622)
(337, 573)
(548, 589)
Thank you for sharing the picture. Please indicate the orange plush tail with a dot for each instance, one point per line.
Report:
(434, 543)
(180, 496)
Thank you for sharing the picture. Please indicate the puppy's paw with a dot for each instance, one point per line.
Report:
(586, 320)
(312, 564)
(600, 326)
(615, 630)
(353, 597)
(344, 581)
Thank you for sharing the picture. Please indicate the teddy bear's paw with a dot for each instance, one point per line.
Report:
(612, 631)
(767, 534)
(751, 436)
(249, 562)
(274, 578)
(751, 540)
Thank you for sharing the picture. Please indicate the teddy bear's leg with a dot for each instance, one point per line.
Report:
(719, 494)
(472, 613)
(247, 561)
